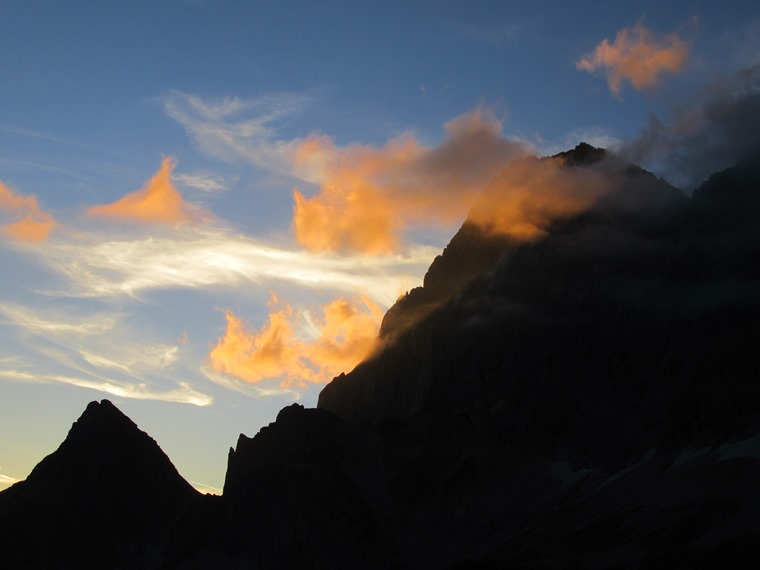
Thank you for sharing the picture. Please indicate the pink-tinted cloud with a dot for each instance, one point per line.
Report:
(638, 56)
(157, 202)
(30, 224)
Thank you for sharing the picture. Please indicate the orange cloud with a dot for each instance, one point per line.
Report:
(253, 357)
(346, 334)
(636, 56)
(369, 196)
(531, 193)
(157, 202)
(31, 224)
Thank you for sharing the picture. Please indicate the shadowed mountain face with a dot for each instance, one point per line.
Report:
(573, 386)
(625, 327)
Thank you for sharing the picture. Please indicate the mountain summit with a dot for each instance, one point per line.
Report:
(108, 496)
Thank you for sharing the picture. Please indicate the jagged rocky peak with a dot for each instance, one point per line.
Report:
(107, 497)
(105, 444)
(103, 419)
(582, 340)
(319, 481)
(582, 155)
(477, 248)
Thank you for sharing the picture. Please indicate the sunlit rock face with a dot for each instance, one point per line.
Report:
(108, 497)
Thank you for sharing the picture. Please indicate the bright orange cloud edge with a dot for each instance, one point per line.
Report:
(637, 56)
(157, 202)
(31, 224)
(346, 333)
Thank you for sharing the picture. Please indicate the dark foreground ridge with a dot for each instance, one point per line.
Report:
(585, 399)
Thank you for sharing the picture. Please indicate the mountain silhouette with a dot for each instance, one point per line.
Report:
(575, 389)
(108, 497)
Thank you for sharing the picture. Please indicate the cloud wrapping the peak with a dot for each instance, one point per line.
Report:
(157, 202)
(637, 56)
(369, 196)
(531, 194)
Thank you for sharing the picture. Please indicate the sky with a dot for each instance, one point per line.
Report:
(207, 206)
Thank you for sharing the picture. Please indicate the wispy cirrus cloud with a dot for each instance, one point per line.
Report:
(233, 129)
(257, 391)
(36, 322)
(204, 181)
(6, 481)
(96, 265)
(638, 56)
(182, 394)
(96, 351)
(203, 488)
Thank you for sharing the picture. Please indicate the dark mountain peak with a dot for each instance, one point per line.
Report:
(582, 155)
(105, 419)
(477, 247)
(318, 481)
(740, 181)
(104, 442)
(105, 407)
(582, 321)
(107, 494)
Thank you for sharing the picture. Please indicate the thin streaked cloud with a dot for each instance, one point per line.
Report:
(6, 480)
(250, 390)
(183, 393)
(92, 265)
(204, 181)
(98, 351)
(46, 323)
(233, 129)
(203, 488)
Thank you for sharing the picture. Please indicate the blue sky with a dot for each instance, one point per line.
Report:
(220, 111)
